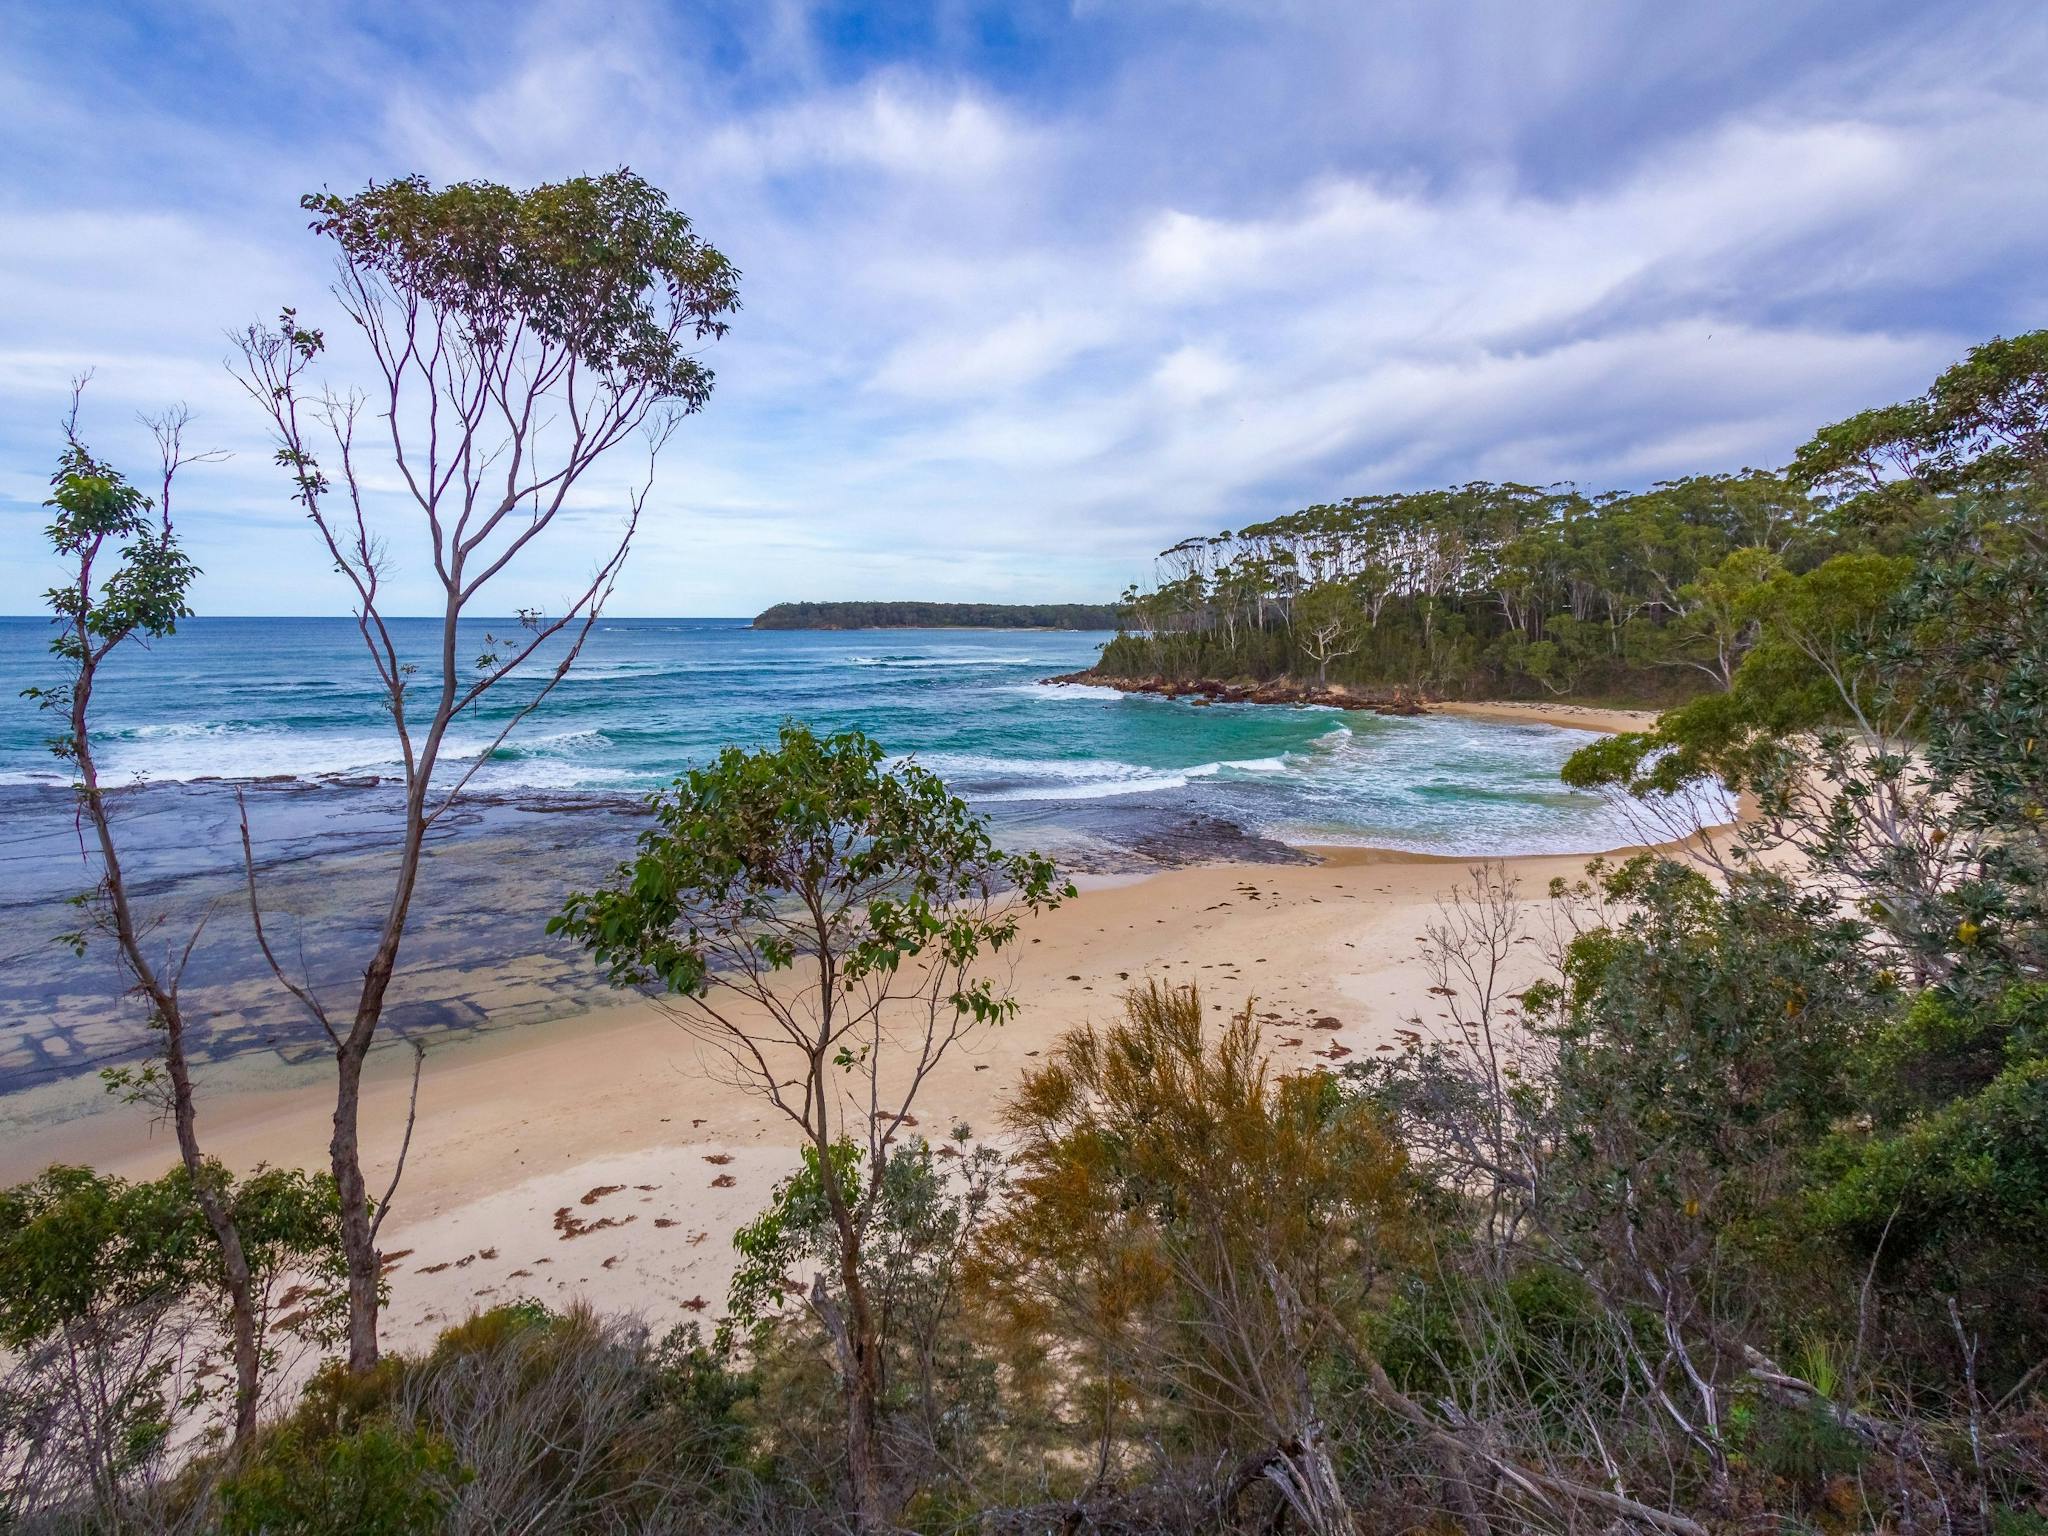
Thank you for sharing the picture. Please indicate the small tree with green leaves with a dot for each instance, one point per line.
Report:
(100, 520)
(824, 924)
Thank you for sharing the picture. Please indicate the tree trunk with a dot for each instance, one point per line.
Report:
(358, 1224)
(863, 1450)
(860, 1388)
(863, 1383)
(1317, 1499)
(163, 1001)
(234, 1259)
(358, 1239)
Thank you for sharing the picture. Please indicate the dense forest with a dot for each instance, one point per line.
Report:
(938, 616)
(1504, 590)
(1710, 1199)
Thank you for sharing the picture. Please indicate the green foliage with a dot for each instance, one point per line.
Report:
(1977, 1168)
(517, 1418)
(1500, 587)
(1805, 1446)
(937, 1382)
(924, 1212)
(1504, 587)
(600, 267)
(1982, 425)
(113, 1297)
(795, 1228)
(1889, 724)
(1968, 633)
(1542, 1321)
(885, 894)
(77, 1249)
(938, 616)
(898, 864)
(1943, 1182)
(95, 507)
(1705, 1023)
(375, 1478)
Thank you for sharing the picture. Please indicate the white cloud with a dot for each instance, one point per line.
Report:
(902, 127)
(943, 364)
(1009, 332)
(1191, 374)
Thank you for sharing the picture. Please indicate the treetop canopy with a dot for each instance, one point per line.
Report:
(601, 267)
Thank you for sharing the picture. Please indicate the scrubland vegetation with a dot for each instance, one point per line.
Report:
(1733, 1218)
(937, 616)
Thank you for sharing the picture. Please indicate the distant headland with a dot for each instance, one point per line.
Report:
(938, 616)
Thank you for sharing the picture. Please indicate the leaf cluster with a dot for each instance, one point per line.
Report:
(94, 506)
(886, 863)
(599, 266)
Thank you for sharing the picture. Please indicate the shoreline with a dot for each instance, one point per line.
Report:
(615, 1113)
(601, 1154)
(1400, 702)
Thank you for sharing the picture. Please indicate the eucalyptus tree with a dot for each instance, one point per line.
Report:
(129, 580)
(824, 925)
(1866, 666)
(1327, 626)
(518, 340)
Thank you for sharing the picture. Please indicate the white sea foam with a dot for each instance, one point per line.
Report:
(1090, 691)
(183, 751)
(999, 779)
(916, 663)
(270, 703)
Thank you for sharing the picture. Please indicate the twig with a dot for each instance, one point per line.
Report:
(412, 1109)
(303, 994)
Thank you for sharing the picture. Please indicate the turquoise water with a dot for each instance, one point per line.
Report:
(262, 698)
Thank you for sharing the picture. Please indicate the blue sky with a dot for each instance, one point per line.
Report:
(1033, 290)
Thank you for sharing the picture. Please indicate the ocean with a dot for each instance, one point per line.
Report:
(261, 699)
(282, 715)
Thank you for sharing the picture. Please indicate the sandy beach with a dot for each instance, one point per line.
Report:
(1578, 717)
(601, 1155)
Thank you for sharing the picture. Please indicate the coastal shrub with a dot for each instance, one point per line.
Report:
(573, 1422)
(940, 1396)
(373, 1478)
(517, 1418)
(1188, 1232)
(115, 1308)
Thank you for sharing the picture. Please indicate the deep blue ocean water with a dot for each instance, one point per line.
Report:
(230, 698)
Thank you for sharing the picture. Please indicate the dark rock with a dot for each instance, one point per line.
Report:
(1209, 690)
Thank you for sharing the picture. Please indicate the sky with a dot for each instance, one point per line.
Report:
(1034, 290)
